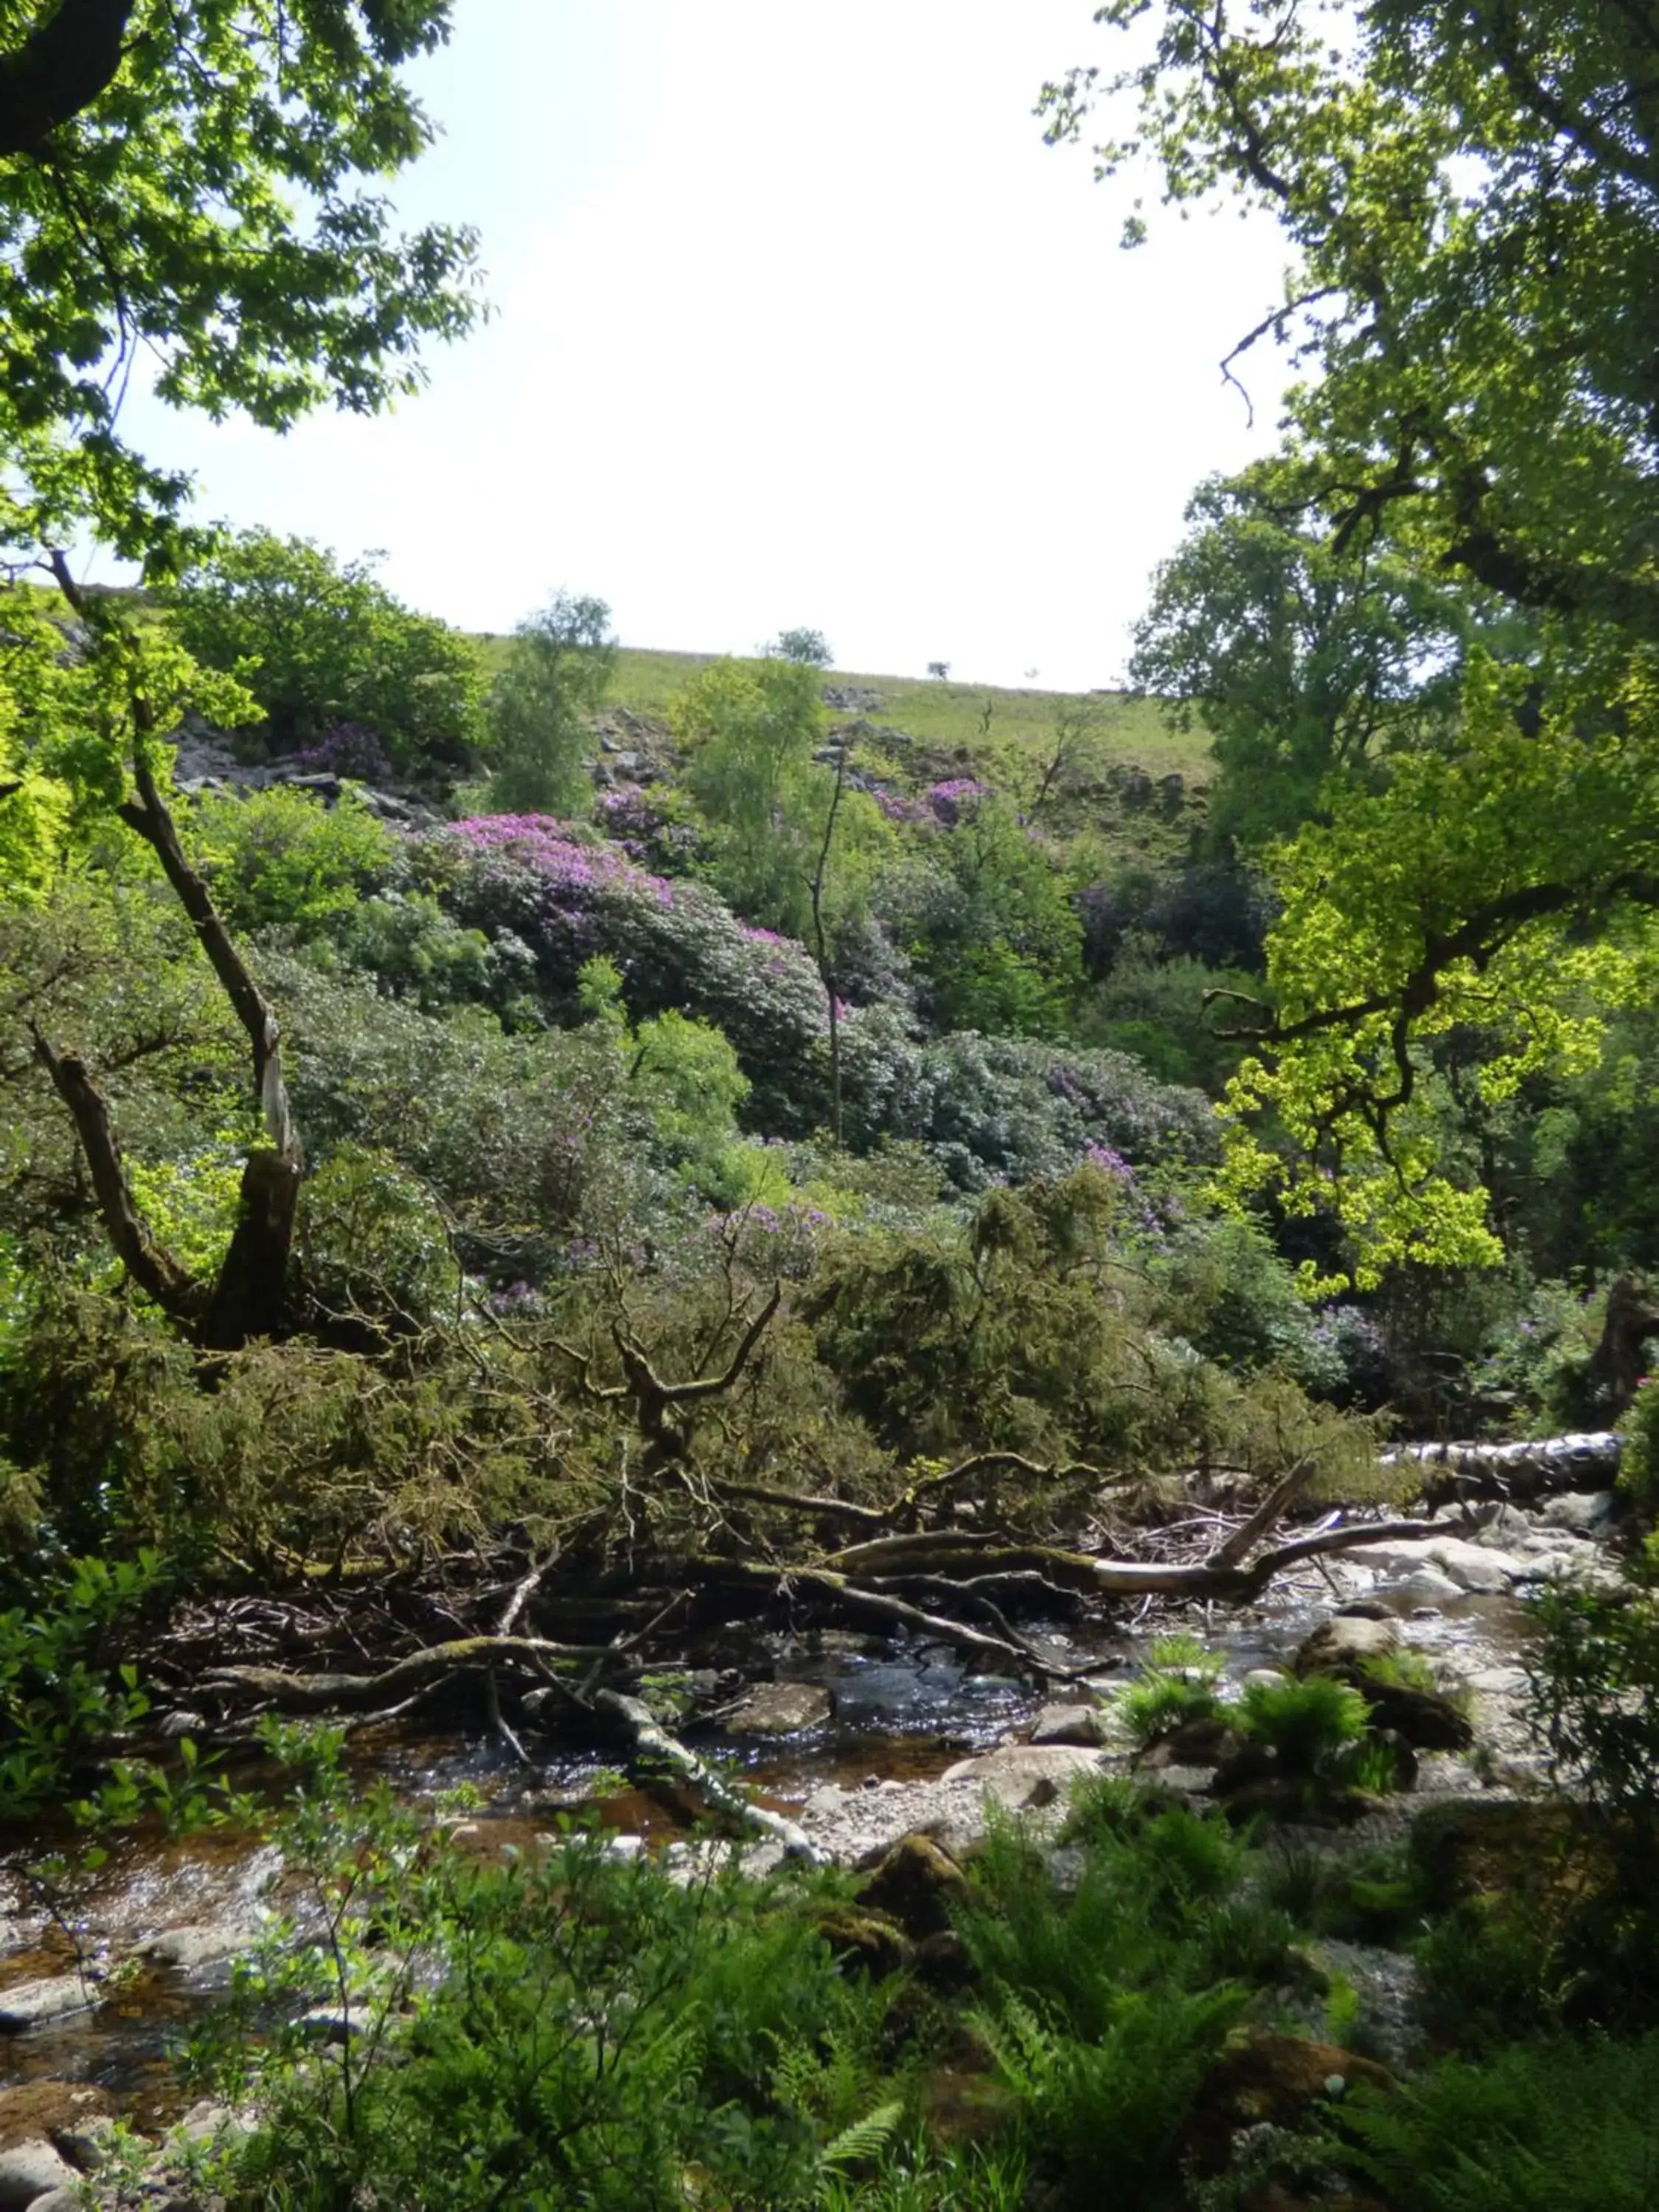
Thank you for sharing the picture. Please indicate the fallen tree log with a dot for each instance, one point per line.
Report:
(1534, 1467)
(843, 1595)
(291, 1693)
(633, 1719)
(961, 1571)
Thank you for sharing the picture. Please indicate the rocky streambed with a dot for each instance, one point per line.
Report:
(862, 1741)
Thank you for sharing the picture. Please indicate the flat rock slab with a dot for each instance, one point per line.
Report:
(1071, 1724)
(1346, 1640)
(33, 2004)
(30, 2171)
(1582, 1512)
(1427, 1586)
(1025, 1774)
(781, 1709)
(1475, 1568)
(203, 1944)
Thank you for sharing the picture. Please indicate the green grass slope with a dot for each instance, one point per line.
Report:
(1119, 749)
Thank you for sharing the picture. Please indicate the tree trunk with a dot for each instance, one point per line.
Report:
(247, 1300)
(60, 68)
(249, 1297)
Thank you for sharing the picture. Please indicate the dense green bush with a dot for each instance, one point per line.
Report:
(1313, 1726)
(677, 947)
(986, 915)
(63, 1698)
(1157, 1009)
(277, 858)
(528, 1139)
(993, 1109)
(1108, 2008)
(1177, 1684)
(578, 2028)
(1231, 1295)
(320, 642)
(1593, 1676)
(1639, 1470)
(575, 2030)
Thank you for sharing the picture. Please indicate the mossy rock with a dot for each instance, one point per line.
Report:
(915, 1885)
(1530, 1848)
(1267, 2077)
(869, 1939)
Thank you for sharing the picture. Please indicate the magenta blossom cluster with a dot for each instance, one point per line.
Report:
(1110, 1163)
(897, 808)
(350, 748)
(632, 817)
(957, 796)
(552, 848)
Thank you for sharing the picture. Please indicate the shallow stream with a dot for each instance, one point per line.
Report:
(900, 1712)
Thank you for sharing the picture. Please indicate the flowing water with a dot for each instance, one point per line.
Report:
(900, 1711)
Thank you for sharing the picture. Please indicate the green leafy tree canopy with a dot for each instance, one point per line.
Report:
(199, 187)
(1471, 197)
(320, 642)
(1301, 664)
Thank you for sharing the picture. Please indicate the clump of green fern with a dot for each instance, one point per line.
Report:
(1560, 2126)
(1106, 2006)
(1177, 1684)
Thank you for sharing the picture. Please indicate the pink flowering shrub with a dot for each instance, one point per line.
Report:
(957, 796)
(571, 898)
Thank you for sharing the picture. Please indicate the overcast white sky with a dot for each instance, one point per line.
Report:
(796, 320)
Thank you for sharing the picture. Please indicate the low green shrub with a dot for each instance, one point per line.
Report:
(62, 1697)
(1486, 1971)
(1106, 2006)
(1639, 1470)
(580, 2030)
(281, 859)
(1593, 1693)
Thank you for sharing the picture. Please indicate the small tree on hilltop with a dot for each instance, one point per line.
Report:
(558, 670)
(810, 648)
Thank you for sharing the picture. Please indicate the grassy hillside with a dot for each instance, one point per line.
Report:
(945, 716)
(915, 730)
